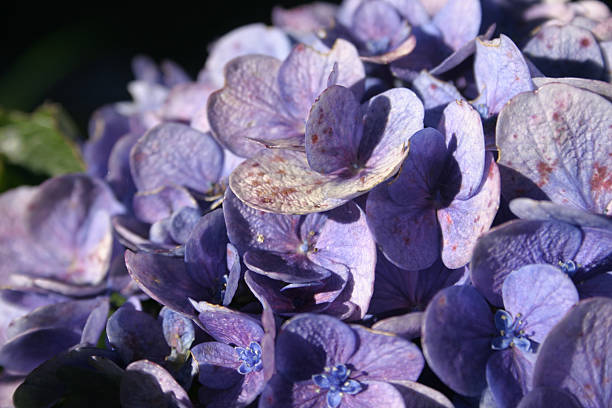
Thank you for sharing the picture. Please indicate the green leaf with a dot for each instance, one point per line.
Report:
(42, 142)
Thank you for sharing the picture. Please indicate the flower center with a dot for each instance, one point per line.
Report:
(335, 380)
(511, 332)
(569, 268)
(250, 357)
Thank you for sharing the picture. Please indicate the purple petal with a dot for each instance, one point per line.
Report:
(205, 253)
(459, 21)
(155, 205)
(400, 214)
(574, 45)
(541, 397)
(542, 294)
(178, 330)
(165, 280)
(250, 106)
(463, 222)
(456, 339)
(146, 383)
(25, 352)
(70, 315)
(377, 392)
(407, 326)
(518, 243)
(276, 266)
(552, 137)
(582, 338)
(69, 231)
(282, 393)
(333, 130)
(185, 100)
(228, 326)
(194, 160)
(96, 323)
(509, 375)
(218, 363)
(303, 20)
(435, 95)
(307, 343)
(396, 288)
(501, 73)
(106, 127)
(248, 39)
(303, 75)
(385, 357)
(136, 335)
(599, 87)
(465, 140)
(418, 395)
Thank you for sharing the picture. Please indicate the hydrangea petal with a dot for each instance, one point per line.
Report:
(165, 280)
(541, 294)
(541, 397)
(385, 357)
(557, 138)
(146, 383)
(249, 39)
(304, 75)
(228, 326)
(154, 205)
(501, 72)
(217, 365)
(396, 288)
(464, 221)
(105, 128)
(70, 315)
(583, 339)
(458, 21)
(509, 375)
(377, 392)
(333, 130)
(575, 46)
(205, 254)
(136, 335)
(194, 161)
(178, 330)
(276, 266)
(23, 353)
(464, 138)
(518, 243)
(250, 106)
(307, 343)
(458, 355)
(407, 326)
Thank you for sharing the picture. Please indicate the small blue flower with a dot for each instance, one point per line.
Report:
(569, 268)
(250, 357)
(512, 333)
(335, 380)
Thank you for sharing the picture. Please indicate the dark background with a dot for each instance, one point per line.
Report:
(79, 55)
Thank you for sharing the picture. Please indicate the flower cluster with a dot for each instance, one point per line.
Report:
(385, 203)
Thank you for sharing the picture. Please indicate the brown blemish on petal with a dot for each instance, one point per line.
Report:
(585, 42)
(454, 248)
(314, 138)
(556, 116)
(544, 171)
(281, 172)
(601, 180)
(433, 87)
(287, 190)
